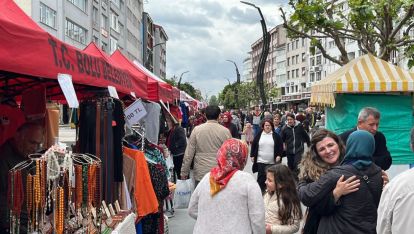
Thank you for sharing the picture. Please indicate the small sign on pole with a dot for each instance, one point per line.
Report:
(112, 92)
(65, 82)
(134, 113)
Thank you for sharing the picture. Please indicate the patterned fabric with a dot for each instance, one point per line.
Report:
(231, 157)
(156, 156)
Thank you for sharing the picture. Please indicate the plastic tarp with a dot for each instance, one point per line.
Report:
(29, 54)
(395, 123)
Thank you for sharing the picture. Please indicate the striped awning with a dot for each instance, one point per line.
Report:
(363, 74)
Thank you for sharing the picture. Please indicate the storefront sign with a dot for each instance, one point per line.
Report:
(112, 92)
(306, 95)
(134, 113)
(65, 82)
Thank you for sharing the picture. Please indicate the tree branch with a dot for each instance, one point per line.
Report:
(406, 17)
(407, 30)
(404, 42)
(320, 47)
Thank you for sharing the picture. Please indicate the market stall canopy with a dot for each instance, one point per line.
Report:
(365, 74)
(164, 90)
(29, 55)
(140, 78)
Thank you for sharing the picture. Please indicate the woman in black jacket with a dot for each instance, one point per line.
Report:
(354, 211)
(176, 143)
(267, 148)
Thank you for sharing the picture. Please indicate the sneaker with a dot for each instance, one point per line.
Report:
(169, 213)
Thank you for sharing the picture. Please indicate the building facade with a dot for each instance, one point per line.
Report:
(275, 62)
(160, 54)
(111, 24)
(247, 72)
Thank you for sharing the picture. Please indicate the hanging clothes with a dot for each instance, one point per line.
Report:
(151, 121)
(119, 133)
(144, 194)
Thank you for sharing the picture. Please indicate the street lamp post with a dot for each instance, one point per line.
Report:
(263, 56)
(236, 90)
(181, 76)
(147, 60)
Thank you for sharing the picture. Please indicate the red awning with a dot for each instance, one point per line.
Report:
(29, 54)
(176, 94)
(141, 78)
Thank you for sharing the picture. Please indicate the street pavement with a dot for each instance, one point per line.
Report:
(182, 223)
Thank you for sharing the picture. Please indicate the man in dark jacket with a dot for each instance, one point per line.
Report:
(368, 119)
(294, 136)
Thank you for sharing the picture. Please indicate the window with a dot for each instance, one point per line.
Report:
(312, 77)
(318, 76)
(331, 44)
(318, 60)
(288, 61)
(47, 15)
(303, 42)
(287, 47)
(113, 45)
(288, 73)
(81, 4)
(75, 32)
(117, 3)
(104, 47)
(95, 15)
(312, 61)
(114, 22)
(104, 22)
(96, 40)
(303, 71)
(293, 60)
(297, 59)
(297, 73)
(303, 57)
(297, 43)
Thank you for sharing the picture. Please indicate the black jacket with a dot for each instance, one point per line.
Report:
(381, 156)
(177, 141)
(355, 212)
(277, 150)
(294, 137)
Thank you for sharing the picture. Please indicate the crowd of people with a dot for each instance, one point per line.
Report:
(341, 179)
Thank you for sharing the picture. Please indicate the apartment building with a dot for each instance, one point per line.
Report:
(247, 72)
(111, 24)
(296, 90)
(274, 72)
(160, 55)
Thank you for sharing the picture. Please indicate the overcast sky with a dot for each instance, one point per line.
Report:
(203, 34)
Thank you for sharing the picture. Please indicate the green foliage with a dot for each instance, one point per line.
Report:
(213, 101)
(187, 87)
(379, 26)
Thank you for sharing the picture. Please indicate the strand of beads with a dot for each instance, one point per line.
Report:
(18, 197)
(37, 195)
(78, 186)
(29, 200)
(59, 216)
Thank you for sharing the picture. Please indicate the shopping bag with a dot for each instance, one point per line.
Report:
(182, 193)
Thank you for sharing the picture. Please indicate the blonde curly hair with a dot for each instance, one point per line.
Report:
(312, 166)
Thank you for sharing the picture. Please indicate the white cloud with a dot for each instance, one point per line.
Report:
(203, 34)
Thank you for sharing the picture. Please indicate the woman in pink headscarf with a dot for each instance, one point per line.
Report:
(230, 126)
(227, 199)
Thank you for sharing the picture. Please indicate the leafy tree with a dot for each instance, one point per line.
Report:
(213, 101)
(376, 25)
(187, 87)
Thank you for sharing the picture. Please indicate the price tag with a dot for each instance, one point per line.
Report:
(133, 94)
(134, 113)
(112, 92)
(65, 82)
